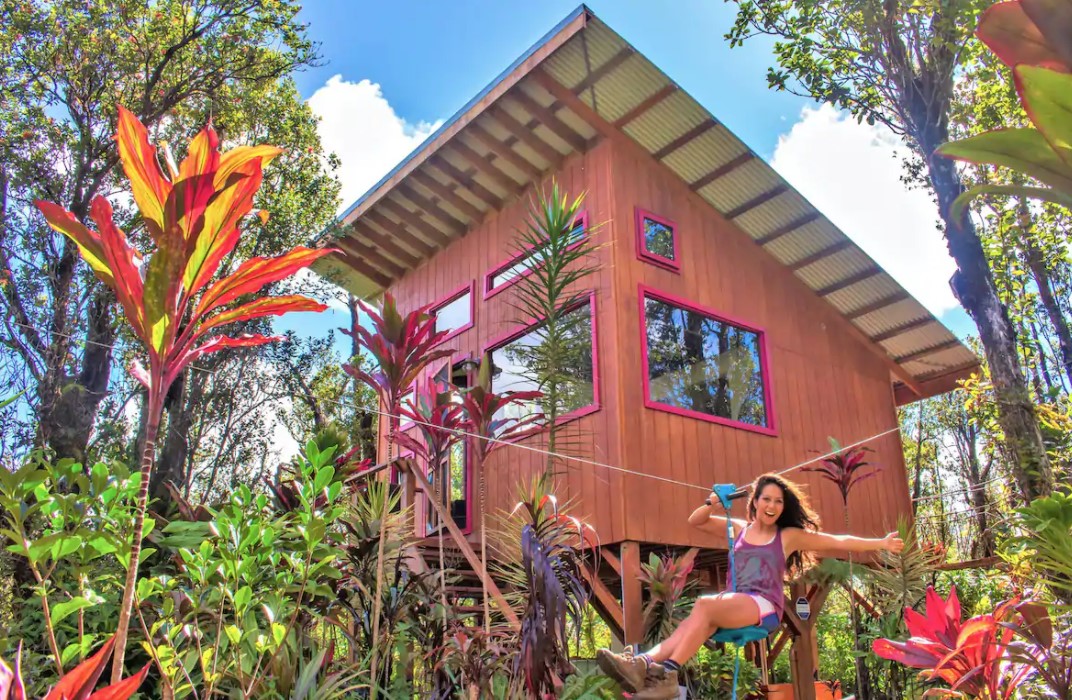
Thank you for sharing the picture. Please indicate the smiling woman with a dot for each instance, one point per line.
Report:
(778, 537)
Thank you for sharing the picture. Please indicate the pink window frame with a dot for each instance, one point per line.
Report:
(515, 333)
(452, 296)
(489, 291)
(641, 248)
(449, 362)
(764, 363)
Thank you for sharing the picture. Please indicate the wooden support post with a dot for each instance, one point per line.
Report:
(604, 601)
(466, 550)
(632, 595)
(804, 654)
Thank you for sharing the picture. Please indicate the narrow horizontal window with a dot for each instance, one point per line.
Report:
(518, 266)
(455, 313)
(704, 366)
(657, 240)
(514, 363)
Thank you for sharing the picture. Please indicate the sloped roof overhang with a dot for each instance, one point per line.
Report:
(580, 83)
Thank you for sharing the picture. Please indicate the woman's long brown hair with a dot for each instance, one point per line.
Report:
(796, 512)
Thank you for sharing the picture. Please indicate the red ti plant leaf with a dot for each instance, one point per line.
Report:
(1029, 32)
(192, 214)
(971, 656)
(401, 346)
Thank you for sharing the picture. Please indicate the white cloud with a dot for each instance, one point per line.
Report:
(362, 129)
(851, 172)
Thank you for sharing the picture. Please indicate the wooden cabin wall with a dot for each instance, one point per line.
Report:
(588, 493)
(824, 382)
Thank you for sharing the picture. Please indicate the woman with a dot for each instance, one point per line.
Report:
(778, 538)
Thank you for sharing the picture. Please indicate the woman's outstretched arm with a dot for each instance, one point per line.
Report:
(807, 541)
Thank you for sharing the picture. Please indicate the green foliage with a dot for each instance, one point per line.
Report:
(710, 674)
(68, 525)
(245, 580)
(557, 258)
(669, 593)
(901, 580)
(1044, 545)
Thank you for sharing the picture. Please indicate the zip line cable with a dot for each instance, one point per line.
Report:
(546, 453)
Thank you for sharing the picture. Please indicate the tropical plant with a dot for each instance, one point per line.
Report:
(438, 415)
(847, 468)
(899, 581)
(1032, 39)
(66, 522)
(402, 347)
(1044, 543)
(552, 546)
(193, 217)
(711, 675)
(77, 684)
(247, 581)
(669, 589)
(488, 429)
(970, 655)
(555, 249)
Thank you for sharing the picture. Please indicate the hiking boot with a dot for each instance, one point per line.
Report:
(663, 687)
(629, 671)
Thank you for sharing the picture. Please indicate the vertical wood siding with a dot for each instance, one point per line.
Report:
(823, 382)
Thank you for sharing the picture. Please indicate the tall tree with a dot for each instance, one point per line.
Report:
(893, 62)
(65, 66)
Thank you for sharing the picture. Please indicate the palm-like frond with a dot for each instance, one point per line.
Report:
(556, 247)
(901, 580)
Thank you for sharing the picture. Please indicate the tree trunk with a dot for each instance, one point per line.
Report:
(973, 285)
(180, 404)
(987, 545)
(1053, 310)
(69, 404)
(917, 487)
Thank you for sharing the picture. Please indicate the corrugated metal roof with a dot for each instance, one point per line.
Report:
(476, 163)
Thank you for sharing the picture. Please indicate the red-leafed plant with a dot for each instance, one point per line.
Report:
(192, 215)
(76, 684)
(847, 468)
(552, 545)
(489, 429)
(402, 347)
(667, 581)
(439, 418)
(971, 656)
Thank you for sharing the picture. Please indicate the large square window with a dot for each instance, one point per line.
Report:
(455, 313)
(699, 364)
(514, 361)
(502, 276)
(657, 240)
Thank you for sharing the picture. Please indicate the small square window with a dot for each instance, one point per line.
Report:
(455, 313)
(657, 240)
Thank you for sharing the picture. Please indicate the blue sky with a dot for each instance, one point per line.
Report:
(392, 72)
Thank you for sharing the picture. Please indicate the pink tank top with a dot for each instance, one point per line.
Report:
(761, 569)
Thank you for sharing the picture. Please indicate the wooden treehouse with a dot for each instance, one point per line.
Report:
(704, 246)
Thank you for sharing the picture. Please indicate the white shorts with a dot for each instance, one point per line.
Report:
(765, 606)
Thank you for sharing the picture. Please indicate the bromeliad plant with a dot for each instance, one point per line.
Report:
(192, 214)
(1032, 37)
